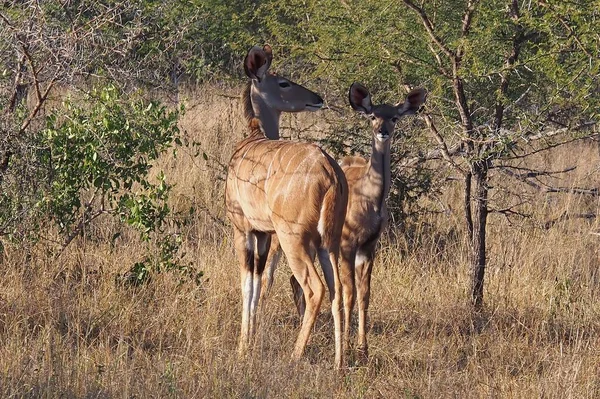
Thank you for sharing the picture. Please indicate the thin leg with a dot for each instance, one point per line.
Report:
(263, 241)
(298, 256)
(328, 273)
(364, 268)
(345, 284)
(272, 262)
(329, 263)
(298, 296)
(348, 289)
(297, 292)
(244, 248)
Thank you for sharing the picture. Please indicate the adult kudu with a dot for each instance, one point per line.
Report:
(366, 216)
(292, 189)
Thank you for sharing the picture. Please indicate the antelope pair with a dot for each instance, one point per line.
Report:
(296, 194)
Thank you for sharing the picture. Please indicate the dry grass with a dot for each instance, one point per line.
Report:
(67, 330)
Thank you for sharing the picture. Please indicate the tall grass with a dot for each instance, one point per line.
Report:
(67, 329)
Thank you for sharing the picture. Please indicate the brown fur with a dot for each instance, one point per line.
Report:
(366, 216)
(291, 189)
(247, 102)
(288, 191)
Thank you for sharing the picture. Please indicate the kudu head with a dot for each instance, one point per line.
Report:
(384, 116)
(277, 93)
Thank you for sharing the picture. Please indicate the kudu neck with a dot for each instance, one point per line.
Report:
(268, 117)
(256, 107)
(379, 172)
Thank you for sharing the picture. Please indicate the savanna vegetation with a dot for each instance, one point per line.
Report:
(117, 271)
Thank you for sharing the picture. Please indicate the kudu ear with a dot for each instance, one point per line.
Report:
(413, 102)
(360, 98)
(257, 62)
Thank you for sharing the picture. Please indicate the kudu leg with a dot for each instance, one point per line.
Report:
(272, 261)
(348, 290)
(244, 248)
(329, 260)
(263, 241)
(298, 296)
(305, 273)
(364, 268)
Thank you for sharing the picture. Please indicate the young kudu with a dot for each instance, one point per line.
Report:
(291, 189)
(366, 215)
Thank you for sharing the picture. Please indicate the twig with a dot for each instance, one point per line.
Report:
(549, 189)
(443, 147)
(529, 173)
(565, 216)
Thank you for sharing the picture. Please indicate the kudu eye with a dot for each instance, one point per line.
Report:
(395, 119)
(284, 84)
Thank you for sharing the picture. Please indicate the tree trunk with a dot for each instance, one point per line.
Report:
(478, 250)
(467, 199)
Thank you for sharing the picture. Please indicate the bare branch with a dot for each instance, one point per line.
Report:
(434, 155)
(443, 147)
(574, 35)
(567, 129)
(468, 17)
(595, 192)
(6, 20)
(38, 105)
(19, 88)
(437, 57)
(566, 216)
(412, 59)
(507, 212)
(466, 27)
(429, 28)
(34, 71)
(509, 63)
(546, 148)
(530, 173)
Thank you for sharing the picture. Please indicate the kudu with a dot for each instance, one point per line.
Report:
(292, 189)
(366, 216)
(266, 99)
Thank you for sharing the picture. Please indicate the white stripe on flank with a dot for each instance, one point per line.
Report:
(281, 158)
(284, 155)
(308, 176)
(241, 161)
(291, 176)
(270, 166)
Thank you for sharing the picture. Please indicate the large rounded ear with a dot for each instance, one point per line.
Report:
(269, 52)
(360, 98)
(257, 62)
(413, 102)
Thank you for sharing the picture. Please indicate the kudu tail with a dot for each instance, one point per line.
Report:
(333, 212)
